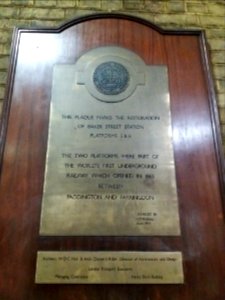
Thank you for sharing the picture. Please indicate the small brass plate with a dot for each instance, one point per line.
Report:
(109, 267)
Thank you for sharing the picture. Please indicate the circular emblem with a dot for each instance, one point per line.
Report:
(111, 78)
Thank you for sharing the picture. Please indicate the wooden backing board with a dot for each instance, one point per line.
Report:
(198, 159)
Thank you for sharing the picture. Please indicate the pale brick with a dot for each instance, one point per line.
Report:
(3, 76)
(219, 71)
(112, 5)
(165, 19)
(181, 20)
(196, 7)
(8, 24)
(216, 8)
(222, 114)
(89, 4)
(4, 49)
(66, 3)
(155, 6)
(4, 62)
(72, 13)
(221, 104)
(215, 33)
(218, 57)
(191, 20)
(222, 127)
(176, 7)
(9, 12)
(22, 2)
(41, 13)
(220, 85)
(5, 37)
(5, 2)
(134, 5)
(213, 21)
(2, 92)
(44, 23)
(216, 44)
(45, 3)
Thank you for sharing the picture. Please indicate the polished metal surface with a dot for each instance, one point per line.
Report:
(110, 167)
(112, 267)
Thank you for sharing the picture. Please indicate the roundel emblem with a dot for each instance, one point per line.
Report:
(111, 78)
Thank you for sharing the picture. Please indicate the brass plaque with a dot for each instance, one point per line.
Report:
(109, 267)
(110, 165)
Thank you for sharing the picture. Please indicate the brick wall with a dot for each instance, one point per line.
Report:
(195, 14)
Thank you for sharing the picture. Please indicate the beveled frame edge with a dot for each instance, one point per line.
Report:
(8, 93)
(214, 114)
(65, 25)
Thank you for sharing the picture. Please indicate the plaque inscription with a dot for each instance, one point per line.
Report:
(109, 267)
(110, 166)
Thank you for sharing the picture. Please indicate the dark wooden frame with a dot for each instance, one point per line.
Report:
(83, 243)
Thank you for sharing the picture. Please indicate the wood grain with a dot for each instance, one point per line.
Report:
(198, 160)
